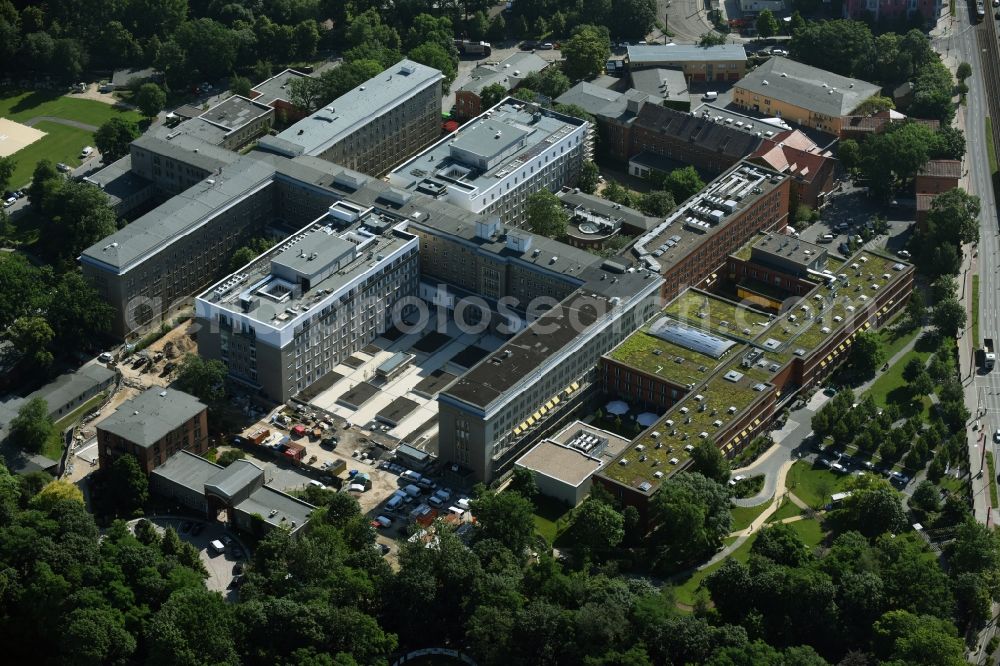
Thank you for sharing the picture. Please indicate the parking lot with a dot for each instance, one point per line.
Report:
(222, 567)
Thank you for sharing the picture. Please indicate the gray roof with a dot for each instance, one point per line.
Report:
(595, 204)
(146, 418)
(235, 112)
(730, 116)
(593, 99)
(187, 470)
(288, 509)
(276, 87)
(188, 111)
(508, 72)
(721, 138)
(354, 109)
(234, 478)
(808, 87)
(67, 387)
(668, 53)
(182, 213)
(118, 181)
(660, 83)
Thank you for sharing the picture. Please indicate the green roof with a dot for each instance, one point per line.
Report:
(658, 357)
(701, 309)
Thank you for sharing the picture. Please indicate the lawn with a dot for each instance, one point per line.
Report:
(81, 411)
(786, 510)
(975, 310)
(814, 485)
(743, 515)
(60, 144)
(550, 517)
(810, 531)
(892, 342)
(685, 592)
(891, 387)
(991, 468)
(990, 148)
(54, 446)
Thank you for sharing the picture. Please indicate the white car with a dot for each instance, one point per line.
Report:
(996, 436)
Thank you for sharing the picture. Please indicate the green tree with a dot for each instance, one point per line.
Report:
(193, 627)
(586, 52)
(707, 460)
(96, 636)
(964, 71)
(478, 25)
(150, 99)
(56, 492)
(434, 55)
(44, 180)
(954, 217)
(210, 48)
(932, 92)
(873, 508)
(797, 23)
(849, 153)
(306, 37)
(498, 29)
(712, 38)
(588, 180)
(926, 498)
(226, 458)
(522, 482)
(782, 545)
(949, 144)
(657, 203)
(7, 166)
(596, 526)
(874, 104)
(81, 216)
(633, 19)
(241, 257)
(31, 336)
(767, 25)
(692, 517)
(506, 517)
(128, 485)
(918, 639)
(32, 427)
(684, 183)
(240, 85)
(867, 354)
(546, 215)
(616, 192)
(114, 137)
(551, 82)
(204, 379)
(842, 46)
(948, 316)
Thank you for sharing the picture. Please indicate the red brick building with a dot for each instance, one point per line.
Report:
(938, 176)
(794, 154)
(153, 426)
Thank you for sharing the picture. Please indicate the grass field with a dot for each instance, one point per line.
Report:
(810, 531)
(975, 310)
(786, 510)
(893, 343)
(550, 517)
(685, 592)
(991, 468)
(743, 516)
(892, 388)
(814, 485)
(61, 143)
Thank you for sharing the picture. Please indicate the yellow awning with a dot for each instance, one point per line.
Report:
(555, 400)
(729, 447)
(743, 434)
(549, 404)
(822, 364)
(574, 385)
(830, 357)
(536, 416)
(756, 422)
(517, 431)
(543, 411)
(568, 390)
(530, 422)
(868, 325)
(736, 440)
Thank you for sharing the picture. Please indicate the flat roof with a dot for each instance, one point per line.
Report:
(705, 214)
(664, 53)
(276, 87)
(808, 87)
(353, 109)
(235, 112)
(717, 315)
(662, 84)
(556, 456)
(575, 201)
(791, 249)
(118, 181)
(501, 139)
(662, 358)
(276, 508)
(509, 72)
(593, 99)
(148, 417)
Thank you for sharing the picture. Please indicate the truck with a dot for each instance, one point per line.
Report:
(989, 354)
(466, 47)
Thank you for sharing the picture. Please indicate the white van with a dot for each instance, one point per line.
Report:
(383, 521)
(217, 547)
(711, 96)
(317, 484)
(825, 238)
(86, 152)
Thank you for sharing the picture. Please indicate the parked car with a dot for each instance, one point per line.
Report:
(185, 527)
(198, 529)
(106, 357)
(996, 436)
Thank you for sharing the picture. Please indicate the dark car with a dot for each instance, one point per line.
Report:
(185, 527)
(529, 45)
(198, 529)
(238, 568)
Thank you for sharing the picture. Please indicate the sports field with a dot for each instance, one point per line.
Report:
(49, 112)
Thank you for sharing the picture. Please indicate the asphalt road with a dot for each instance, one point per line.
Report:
(687, 20)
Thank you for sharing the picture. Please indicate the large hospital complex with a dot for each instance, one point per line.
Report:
(712, 318)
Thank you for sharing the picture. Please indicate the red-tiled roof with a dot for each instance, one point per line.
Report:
(924, 202)
(942, 169)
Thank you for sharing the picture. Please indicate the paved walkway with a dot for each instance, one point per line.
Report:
(60, 121)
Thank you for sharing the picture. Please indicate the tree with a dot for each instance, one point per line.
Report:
(306, 37)
(44, 180)
(491, 95)
(867, 354)
(932, 92)
(31, 336)
(586, 52)
(949, 144)
(96, 636)
(707, 460)
(588, 180)
(849, 153)
(551, 82)
(781, 544)
(7, 166)
(546, 215)
(506, 517)
(767, 25)
(192, 627)
(632, 19)
(964, 71)
(596, 526)
(712, 38)
(873, 508)
(796, 24)
(150, 98)
(204, 379)
(240, 85)
(948, 316)
(434, 55)
(657, 203)
(81, 216)
(523, 483)
(57, 491)
(128, 485)
(616, 192)
(692, 517)
(874, 104)
(684, 183)
(498, 29)
(918, 639)
(114, 137)
(210, 48)
(926, 498)
(32, 427)
(954, 217)
(845, 47)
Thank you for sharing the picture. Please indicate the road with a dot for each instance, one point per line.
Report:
(687, 20)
